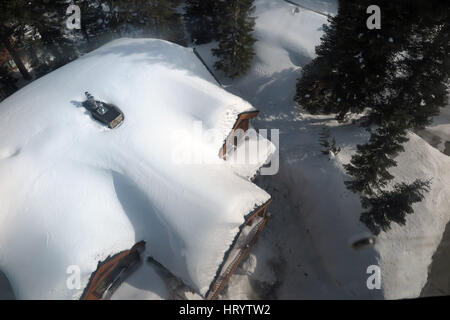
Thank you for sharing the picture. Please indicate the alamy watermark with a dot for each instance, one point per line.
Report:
(374, 280)
(251, 148)
(374, 20)
(73, 281)
(74, 19)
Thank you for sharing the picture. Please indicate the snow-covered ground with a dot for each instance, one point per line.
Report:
(305, 250)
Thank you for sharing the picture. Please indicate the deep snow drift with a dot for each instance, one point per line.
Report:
(438, 133)
(73, 192)
(305, 250)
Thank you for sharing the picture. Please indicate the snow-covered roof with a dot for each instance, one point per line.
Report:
(73, 192)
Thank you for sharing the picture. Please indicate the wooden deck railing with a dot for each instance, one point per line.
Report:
(229, 271)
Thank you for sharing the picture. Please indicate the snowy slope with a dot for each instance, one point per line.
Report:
(438, 133)
(329, 7)
(305, 251)
(73, 192)
(406, 251)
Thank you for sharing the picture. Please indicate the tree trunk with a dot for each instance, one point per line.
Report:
(17, 60)
(85, 33)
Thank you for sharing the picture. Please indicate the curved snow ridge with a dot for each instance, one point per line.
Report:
(406, 251)
(74, 192)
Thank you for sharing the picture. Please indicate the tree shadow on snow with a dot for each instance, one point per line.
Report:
(6, 292)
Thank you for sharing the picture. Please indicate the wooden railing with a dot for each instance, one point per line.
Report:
(229, 271)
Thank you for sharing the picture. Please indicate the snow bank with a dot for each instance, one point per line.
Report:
(406, 251)
(73, 192)
(438, 133)
(332, 213)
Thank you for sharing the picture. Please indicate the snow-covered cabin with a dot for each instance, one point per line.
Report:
(75, 195)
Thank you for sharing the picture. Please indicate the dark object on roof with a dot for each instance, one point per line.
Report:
(105, 113)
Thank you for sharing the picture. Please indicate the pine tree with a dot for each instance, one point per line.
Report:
(422, 71)
(329, 147)
(101, 22)
(392, 206)
(201, 20)
(98, 22)
(109, 19)
(369, 166)
(352, 62)
(7, 83)
(165, 22)
(12, 17)
(357, 68)
(49, 18)
(236, 25)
